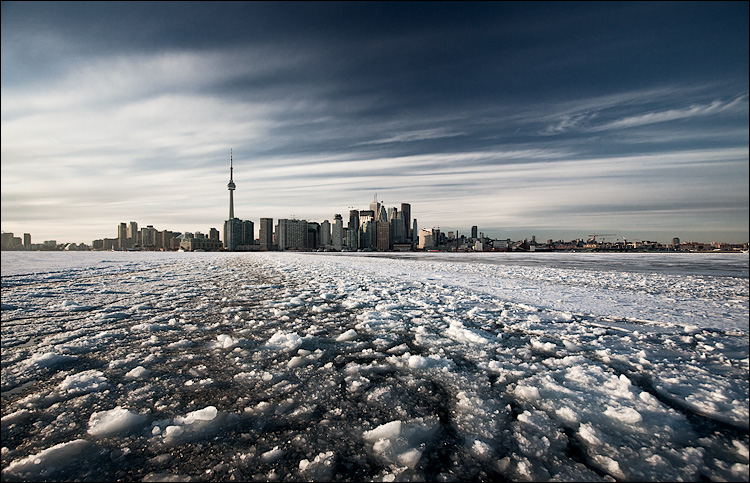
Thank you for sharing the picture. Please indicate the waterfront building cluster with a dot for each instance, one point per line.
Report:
(378, 228)
(313, 236)
(12, 242)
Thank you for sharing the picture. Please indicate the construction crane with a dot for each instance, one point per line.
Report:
(601, 234)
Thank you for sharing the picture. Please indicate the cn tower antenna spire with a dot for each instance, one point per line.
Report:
(231, 186)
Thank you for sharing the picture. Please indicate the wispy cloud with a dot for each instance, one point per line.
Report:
(419, 135)
(692, 111)
(611, 114)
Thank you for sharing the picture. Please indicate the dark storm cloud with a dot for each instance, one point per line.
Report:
(422, 98)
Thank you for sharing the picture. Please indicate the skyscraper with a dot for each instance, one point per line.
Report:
(266, 233)
(375, 205)
(427, 239)
(238, 232)
(383, 235)
(148, 236)
(398, 228)
(366, 215)
(312, 239)
(325, 234)
(248, 232)
(122, 236)
(338, 232)
(474, 232)
(406, 210)
(367, 234)
(352, 234)
(381, 215)
(291, 234)
(133, 234)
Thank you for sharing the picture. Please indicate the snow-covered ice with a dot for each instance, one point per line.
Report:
(381, 367)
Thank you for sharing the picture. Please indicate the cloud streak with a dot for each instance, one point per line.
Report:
(611, 114)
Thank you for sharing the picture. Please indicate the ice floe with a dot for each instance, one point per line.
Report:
(382, 367)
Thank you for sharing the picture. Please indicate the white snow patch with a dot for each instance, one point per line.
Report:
(86, 381)
(296, 361)
(47, 359)
(432, 361)
(16, 417)
(34, 466)
(459, 333)
(206, 414)
(399, 443)
(180, 344)
(350, 334)
(139, 372)
(284, 341)
(225, 341)
(272, 455)
(624, 414)
(113, 421)
(320, 468)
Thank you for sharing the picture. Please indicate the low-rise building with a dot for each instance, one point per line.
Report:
(205, 244)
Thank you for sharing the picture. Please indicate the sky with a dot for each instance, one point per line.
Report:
(554, 120)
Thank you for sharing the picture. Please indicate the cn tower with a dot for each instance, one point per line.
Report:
(231, 187)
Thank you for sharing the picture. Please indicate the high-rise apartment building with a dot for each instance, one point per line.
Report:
(266, 233)
(427, 239)
(133, 234)
(10, 242)
(122, 236)
(338, 232)
(291, 234)
(313, 235)
(325, 234)
(238, 233)
(27, 241)
(148, 236)
(232, 233)
(474, 232)
(165, 240)
(248, 232)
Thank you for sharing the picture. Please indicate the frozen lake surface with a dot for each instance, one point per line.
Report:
(387, 367)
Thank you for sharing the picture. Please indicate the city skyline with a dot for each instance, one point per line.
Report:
(550, 119)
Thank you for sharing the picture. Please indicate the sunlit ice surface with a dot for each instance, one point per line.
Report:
(387, 367)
